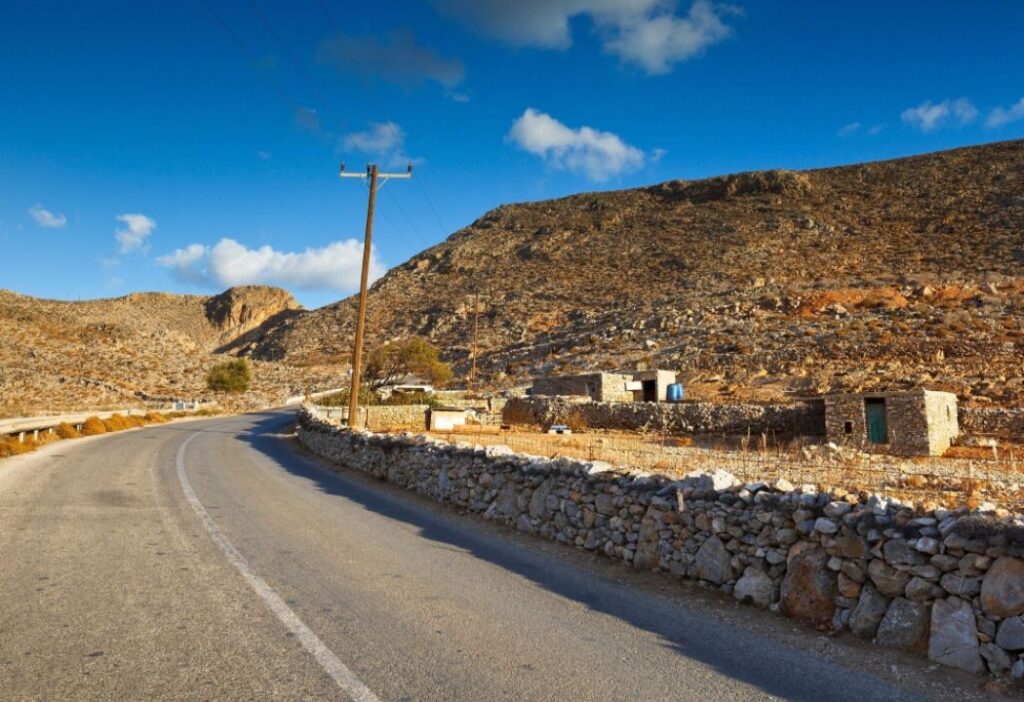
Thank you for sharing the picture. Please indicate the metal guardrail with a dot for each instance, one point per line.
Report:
(25, 425)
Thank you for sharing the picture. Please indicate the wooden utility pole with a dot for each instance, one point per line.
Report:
(372, 177)
(476, 316)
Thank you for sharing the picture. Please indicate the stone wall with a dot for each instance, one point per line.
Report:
(1007, 422)
(919, 423)
(946, 584)
(797, 418)
(394, 417)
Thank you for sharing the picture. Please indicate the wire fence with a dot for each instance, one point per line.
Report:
(951, 482)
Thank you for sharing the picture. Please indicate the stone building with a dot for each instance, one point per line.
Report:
(640, 386)
(600, 387)
(913, 423)
(653, 385)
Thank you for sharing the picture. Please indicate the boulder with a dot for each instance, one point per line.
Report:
(538, 501)
(868, 613)
(507, 501)
(714, 562)
(755, 587)
(1002, 590)
(646, 556)
(954, 635)
(898, 551)
(889, 581)
(809, 586)
(604, 504)
(904, 626)
(1011, 634)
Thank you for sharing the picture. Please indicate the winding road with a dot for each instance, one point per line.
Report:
(214, 559)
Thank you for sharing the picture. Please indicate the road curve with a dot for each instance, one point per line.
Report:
(215, 560)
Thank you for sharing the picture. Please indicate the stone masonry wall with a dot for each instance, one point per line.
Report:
(999, 421)
(797, 418)
(946, 584)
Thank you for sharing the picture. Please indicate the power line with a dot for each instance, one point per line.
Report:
(249, 54)
(287, 51)
(398, 138)
(290, 103)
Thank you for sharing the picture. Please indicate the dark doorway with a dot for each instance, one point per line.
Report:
(650, 390)
(878, 426)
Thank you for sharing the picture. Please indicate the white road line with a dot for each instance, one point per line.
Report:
(331, 664)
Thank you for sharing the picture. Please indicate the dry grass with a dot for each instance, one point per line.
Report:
(920, 480)
(93, 426)
(66, 431)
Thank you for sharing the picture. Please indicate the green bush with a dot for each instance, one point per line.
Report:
(230, 376)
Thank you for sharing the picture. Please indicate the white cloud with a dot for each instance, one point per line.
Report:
(137, 229)
(849, 129)
(597, 155)
(929, 116)
(1001, 116)
(46, 219)
(336, 266)
(646, 33)
(384, 141)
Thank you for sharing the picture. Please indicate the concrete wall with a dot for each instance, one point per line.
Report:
(919, 422)
(945, 584)
(797, 418)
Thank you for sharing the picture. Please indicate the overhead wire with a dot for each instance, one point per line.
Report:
(355, 65)
(292, 104)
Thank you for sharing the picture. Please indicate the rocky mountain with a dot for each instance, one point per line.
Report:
(70, 355)
(755, 285)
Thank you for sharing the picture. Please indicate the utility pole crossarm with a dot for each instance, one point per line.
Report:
(373, 178)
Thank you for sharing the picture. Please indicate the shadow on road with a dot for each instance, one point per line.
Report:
(698, 635)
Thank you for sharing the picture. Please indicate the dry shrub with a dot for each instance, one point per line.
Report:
(576, 422)
(116, 422)
(66, 431)
(10, 446)
(155, 418)
(93, 426)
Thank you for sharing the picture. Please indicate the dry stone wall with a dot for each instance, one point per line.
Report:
(949, 584)
(797, 418)
(998, 421)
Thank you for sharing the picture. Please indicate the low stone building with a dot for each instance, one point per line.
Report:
(653, 385)
(600, 387)
(912, 423)
(639, 386)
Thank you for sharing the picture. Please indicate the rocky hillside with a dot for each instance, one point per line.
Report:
(756, 285)
(71, 355)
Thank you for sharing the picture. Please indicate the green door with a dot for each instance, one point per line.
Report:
(878, 430)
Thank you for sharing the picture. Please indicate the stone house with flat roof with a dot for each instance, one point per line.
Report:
(910, 423)
(639, 386)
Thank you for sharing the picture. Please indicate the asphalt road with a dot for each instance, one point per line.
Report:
(214, 560)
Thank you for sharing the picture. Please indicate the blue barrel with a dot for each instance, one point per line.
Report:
(675, 392)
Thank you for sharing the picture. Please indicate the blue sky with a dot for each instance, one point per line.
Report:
(186, 146)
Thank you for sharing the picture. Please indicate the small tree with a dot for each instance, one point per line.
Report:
(230, 376)
(412, 356)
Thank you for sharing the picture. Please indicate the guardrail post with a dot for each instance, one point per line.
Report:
(21, 437)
